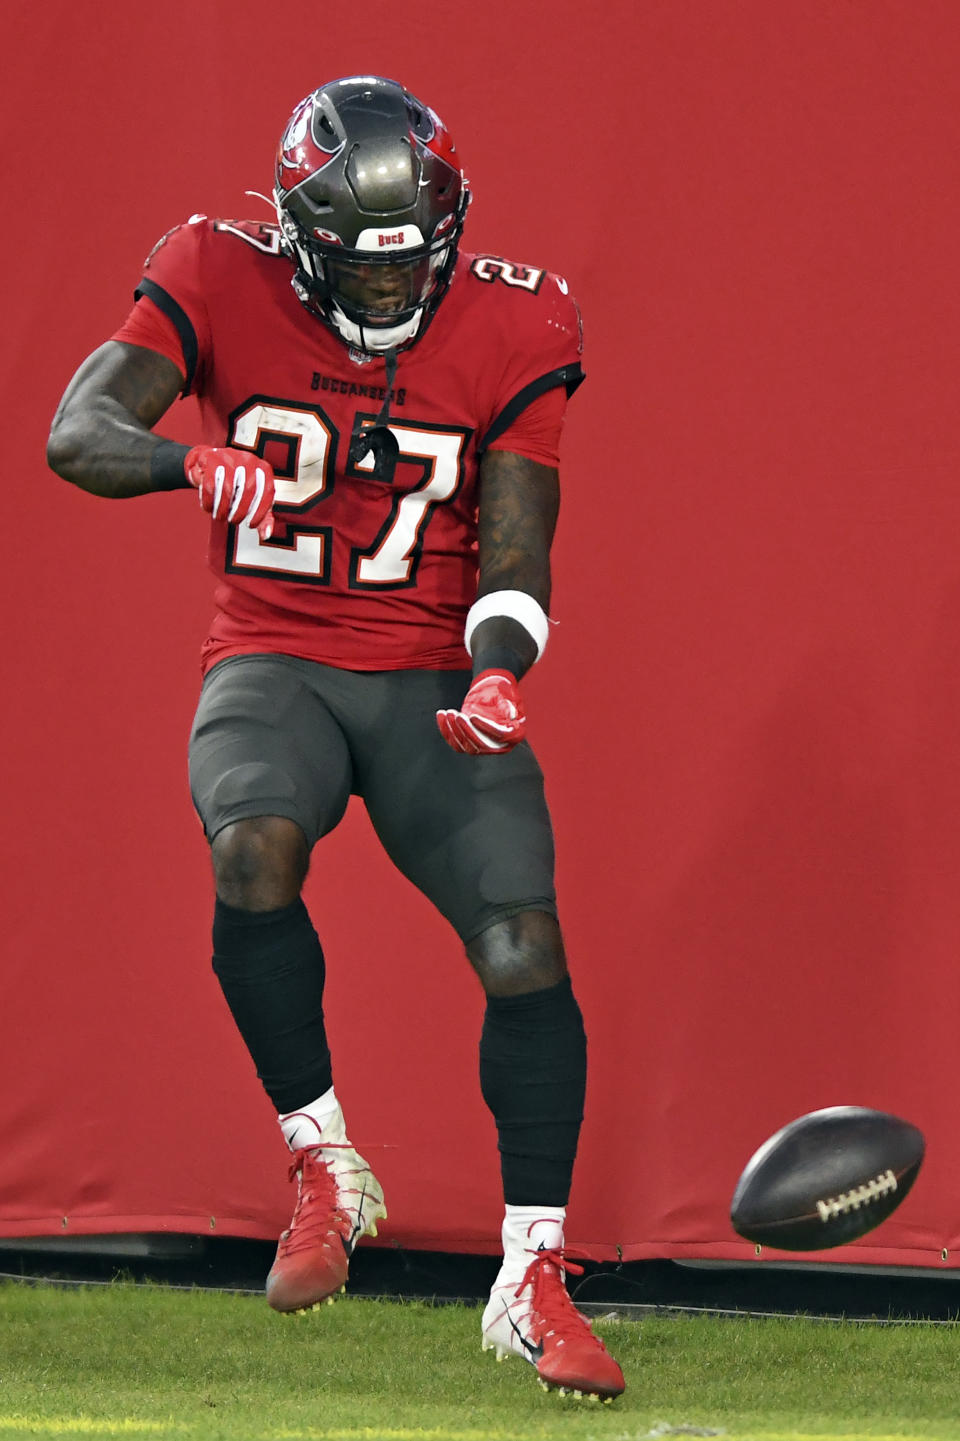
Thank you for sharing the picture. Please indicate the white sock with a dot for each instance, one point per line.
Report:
(528, 1229)
(312, 1125)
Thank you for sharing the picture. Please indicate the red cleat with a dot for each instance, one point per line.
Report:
(338, 1201)
(538, 1321)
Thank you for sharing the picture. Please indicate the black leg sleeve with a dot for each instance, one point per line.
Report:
(271, 969)
(533, 1070)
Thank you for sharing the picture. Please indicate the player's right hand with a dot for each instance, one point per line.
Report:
(233, 485)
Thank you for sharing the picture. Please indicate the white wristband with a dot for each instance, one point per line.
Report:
(518, 606)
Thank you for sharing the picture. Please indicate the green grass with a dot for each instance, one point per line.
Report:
(149, 1362)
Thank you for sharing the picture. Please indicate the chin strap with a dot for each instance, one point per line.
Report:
(378, 439)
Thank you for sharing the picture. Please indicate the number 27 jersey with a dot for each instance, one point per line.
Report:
(360, 573)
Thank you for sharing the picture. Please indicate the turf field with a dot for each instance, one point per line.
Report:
(151, 1362)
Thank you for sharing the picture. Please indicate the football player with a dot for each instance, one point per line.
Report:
(380, 414)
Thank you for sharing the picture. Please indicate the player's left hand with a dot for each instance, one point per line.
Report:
(491, 718)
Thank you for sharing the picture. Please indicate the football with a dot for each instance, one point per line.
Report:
(826, 1178)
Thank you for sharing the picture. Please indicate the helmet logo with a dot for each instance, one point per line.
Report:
(327, 235)
(396, 239)
(297, 127)
(300, 154)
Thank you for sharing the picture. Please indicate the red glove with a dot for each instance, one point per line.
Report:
(490, 720)
(233, 485)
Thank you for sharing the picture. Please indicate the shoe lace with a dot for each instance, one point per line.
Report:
(550, 1300)
(318, 1216)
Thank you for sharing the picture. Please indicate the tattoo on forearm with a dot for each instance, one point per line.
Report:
(519, 501)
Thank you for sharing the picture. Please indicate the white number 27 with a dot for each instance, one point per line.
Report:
(390, 560)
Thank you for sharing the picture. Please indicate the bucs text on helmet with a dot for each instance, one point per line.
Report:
(371, 203)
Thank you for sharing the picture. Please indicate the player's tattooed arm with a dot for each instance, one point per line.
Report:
(101, 438)
(517, 517)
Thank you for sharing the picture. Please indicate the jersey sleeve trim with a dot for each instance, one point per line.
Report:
(188, 336)
(570, 376)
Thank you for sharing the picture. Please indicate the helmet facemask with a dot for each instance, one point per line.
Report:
(375, 301)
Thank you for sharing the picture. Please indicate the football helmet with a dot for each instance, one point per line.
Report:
(371, 202)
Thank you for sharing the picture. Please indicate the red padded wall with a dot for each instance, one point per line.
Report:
(750, 710)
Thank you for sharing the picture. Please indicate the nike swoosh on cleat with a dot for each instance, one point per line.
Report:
(358, 1223)
(535, 1352)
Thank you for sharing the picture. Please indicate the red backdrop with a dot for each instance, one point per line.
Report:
(749, 714)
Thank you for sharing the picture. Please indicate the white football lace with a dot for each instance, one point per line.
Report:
(848, 1201)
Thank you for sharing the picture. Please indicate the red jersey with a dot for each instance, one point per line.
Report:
(359, 573)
